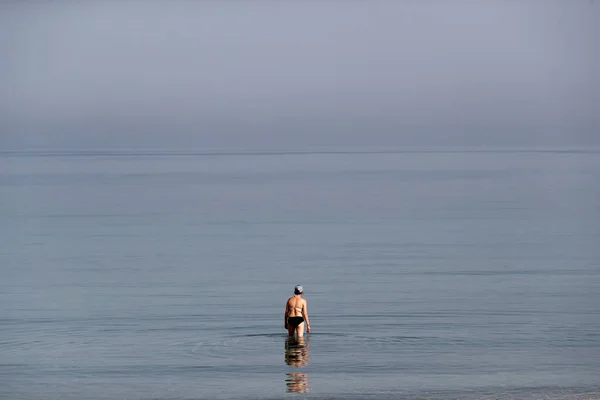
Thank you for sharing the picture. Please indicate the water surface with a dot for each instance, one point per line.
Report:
(429, 274)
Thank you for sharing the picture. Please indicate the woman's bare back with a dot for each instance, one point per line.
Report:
(295, 306)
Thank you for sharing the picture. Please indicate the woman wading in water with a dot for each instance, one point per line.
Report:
(296, 313)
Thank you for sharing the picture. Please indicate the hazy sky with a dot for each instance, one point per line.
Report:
(284, 73)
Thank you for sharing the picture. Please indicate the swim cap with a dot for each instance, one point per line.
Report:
(298, 289)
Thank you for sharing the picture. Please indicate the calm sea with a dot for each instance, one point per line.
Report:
(463, 274)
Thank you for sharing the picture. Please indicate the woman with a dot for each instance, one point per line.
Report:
(296, 313)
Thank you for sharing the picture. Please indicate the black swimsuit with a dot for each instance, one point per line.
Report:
(295, 321)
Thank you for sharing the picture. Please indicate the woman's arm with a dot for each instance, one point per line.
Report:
(305, 315)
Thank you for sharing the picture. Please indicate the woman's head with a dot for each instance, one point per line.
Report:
(298, 289)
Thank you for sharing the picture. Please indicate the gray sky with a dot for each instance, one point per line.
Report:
(299, 73)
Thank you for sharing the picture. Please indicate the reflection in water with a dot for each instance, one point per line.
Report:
(296, 383)
(296, 355)
(296, 351)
